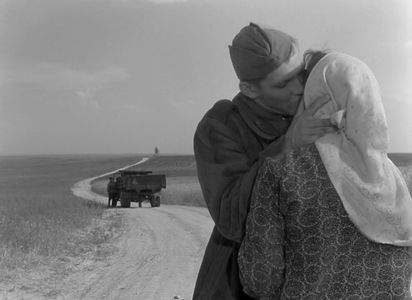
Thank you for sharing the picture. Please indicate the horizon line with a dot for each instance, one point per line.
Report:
(90, 153)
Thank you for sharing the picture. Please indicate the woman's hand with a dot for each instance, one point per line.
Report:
(306, 129)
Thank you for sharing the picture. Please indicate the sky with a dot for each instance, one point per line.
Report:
(124, 76)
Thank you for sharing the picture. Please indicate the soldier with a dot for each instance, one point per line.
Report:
(116, 192)
(111, 190)
(234, 138)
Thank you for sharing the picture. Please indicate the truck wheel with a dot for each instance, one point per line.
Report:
(157, 201)
(125, 203)
(152, 202)
(125, 200)
(114, 203)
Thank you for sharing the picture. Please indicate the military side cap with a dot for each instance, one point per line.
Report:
(255, 52)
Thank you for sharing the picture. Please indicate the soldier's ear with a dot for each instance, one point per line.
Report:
(248, 89)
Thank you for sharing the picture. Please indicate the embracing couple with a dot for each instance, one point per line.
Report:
(295, 174)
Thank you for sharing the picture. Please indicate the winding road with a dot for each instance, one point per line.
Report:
(158, 256)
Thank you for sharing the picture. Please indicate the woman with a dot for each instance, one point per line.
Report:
(332, 220)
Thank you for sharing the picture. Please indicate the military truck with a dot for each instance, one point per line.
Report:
(139, 186)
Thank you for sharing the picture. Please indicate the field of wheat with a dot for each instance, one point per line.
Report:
(40, 218)
(43, 225)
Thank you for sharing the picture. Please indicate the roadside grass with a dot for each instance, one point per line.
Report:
(45, 226)
(183, 191)
(40, 218)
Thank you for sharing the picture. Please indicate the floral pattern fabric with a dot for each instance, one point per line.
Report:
(301, 244)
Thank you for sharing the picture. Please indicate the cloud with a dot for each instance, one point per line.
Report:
(60, 77)
(134, 108)
(87, 98)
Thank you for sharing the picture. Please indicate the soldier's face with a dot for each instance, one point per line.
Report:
(282, 89)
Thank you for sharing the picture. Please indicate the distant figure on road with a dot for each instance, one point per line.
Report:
(116, 192)
(111, 190)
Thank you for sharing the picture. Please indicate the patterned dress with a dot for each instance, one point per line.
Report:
(301, 244)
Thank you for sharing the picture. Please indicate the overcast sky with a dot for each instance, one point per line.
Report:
(124, 76)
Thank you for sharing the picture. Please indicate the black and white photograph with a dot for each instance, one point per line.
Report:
(205, 149)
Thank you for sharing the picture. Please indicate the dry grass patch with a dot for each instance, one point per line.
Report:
(43, 226)
(183, 191)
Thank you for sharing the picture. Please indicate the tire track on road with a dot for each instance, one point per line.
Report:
(159, 256)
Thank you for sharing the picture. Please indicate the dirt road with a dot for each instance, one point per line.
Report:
(158, 254)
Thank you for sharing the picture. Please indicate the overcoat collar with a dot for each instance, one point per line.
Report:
(263, 122)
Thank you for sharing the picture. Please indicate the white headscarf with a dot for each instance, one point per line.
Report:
(370, 186)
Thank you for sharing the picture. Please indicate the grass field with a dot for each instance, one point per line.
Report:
(39, 215)
(43, 226)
